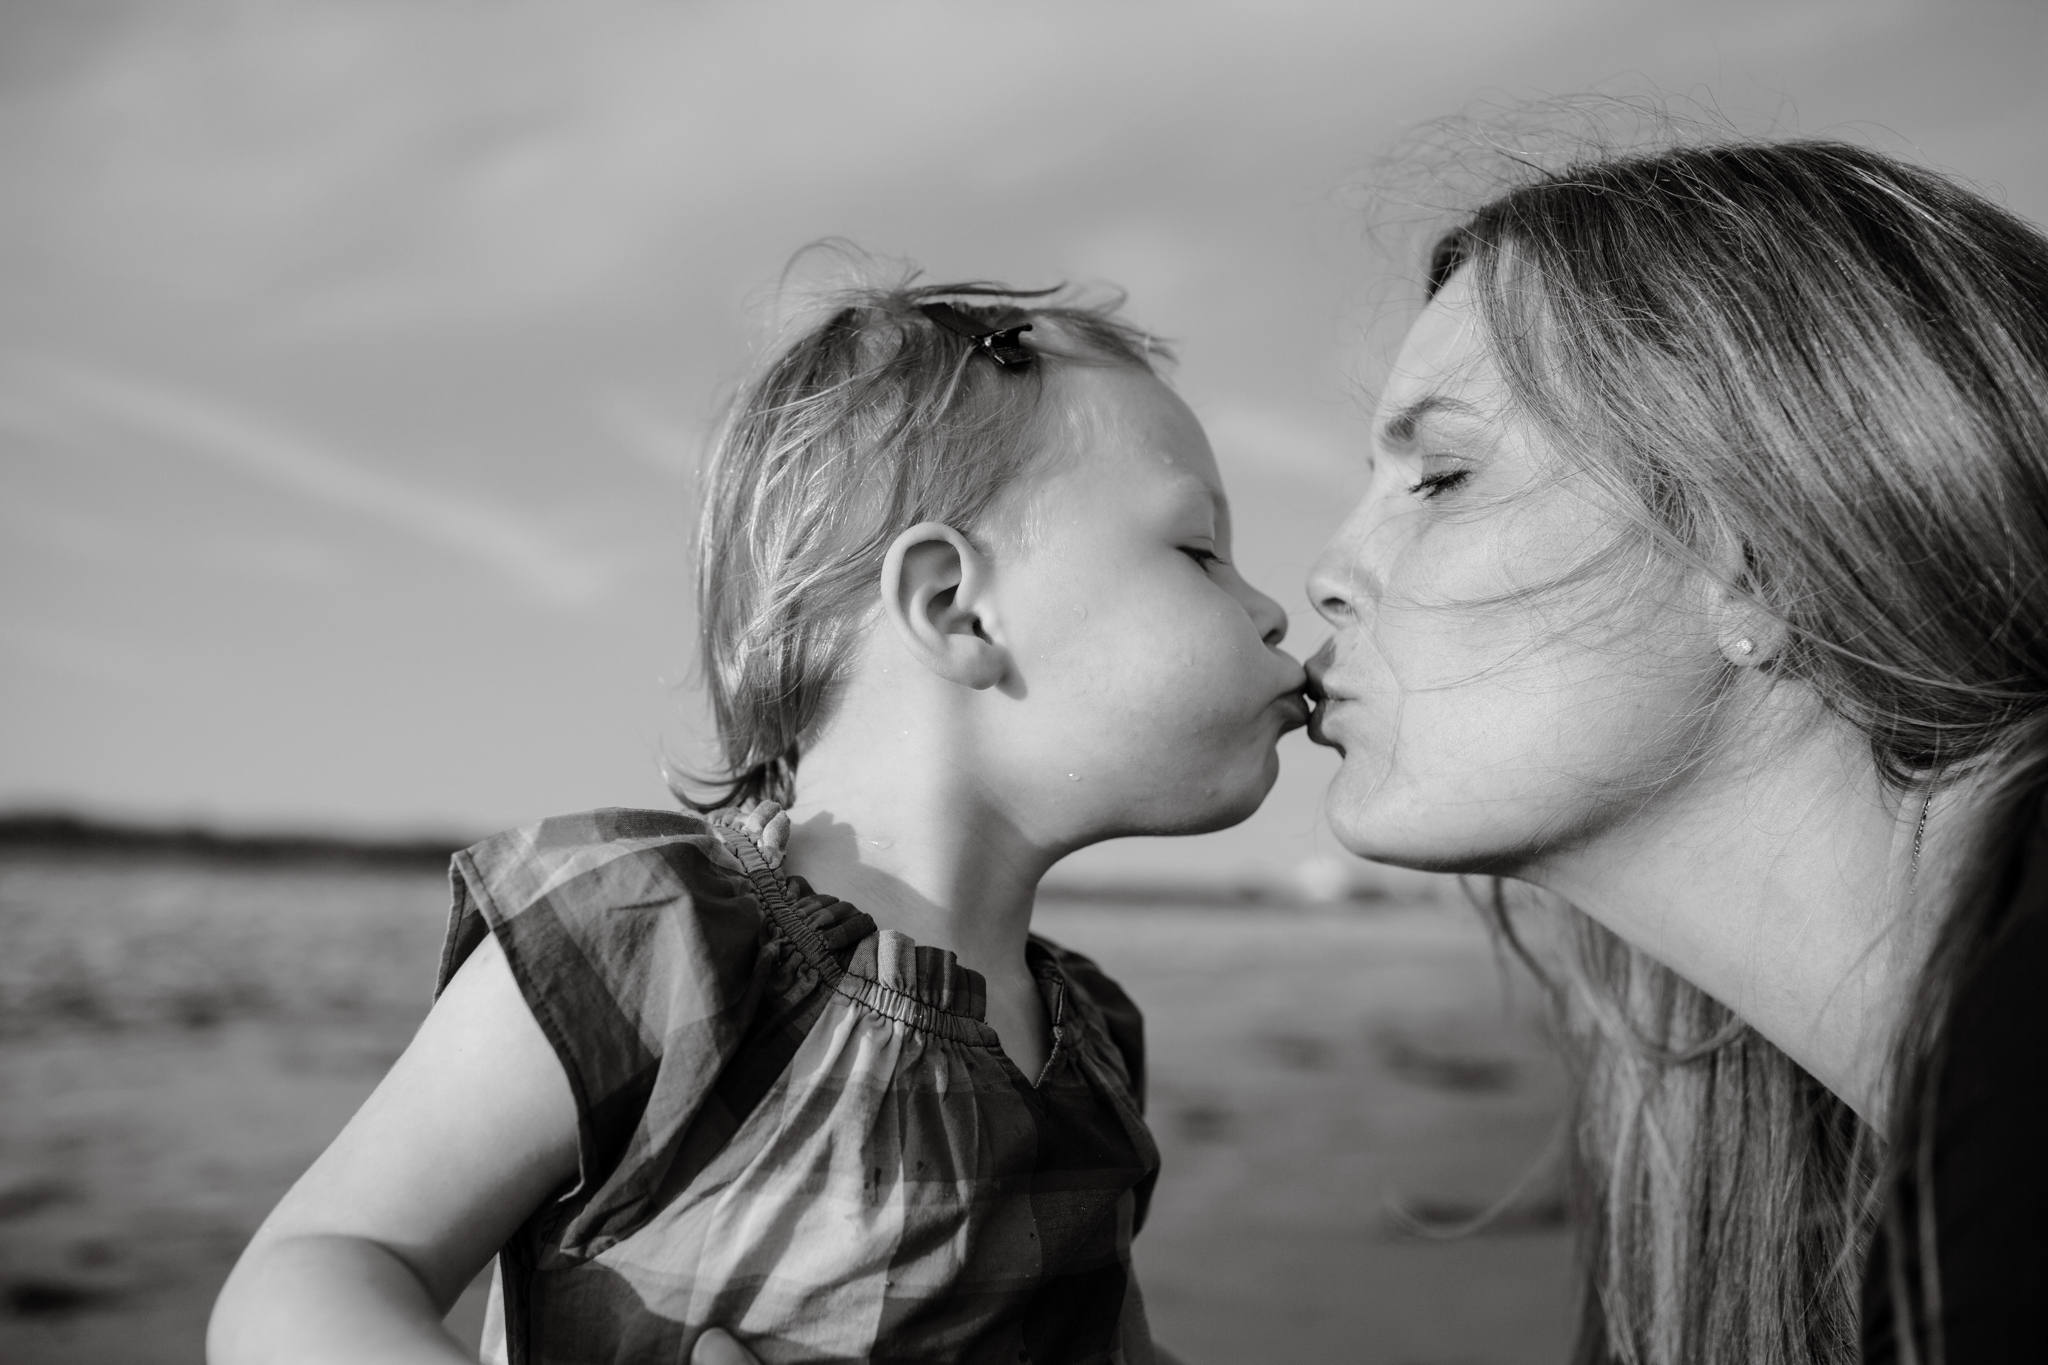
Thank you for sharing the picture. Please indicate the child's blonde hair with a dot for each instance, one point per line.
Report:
(872, 419)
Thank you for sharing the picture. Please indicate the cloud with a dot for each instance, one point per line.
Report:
(375, 165)
(87, 654)
(1257, 441)
(656, 442)
(515, 549)
(68, 531)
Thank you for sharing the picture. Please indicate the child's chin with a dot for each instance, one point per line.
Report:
(1237, 805)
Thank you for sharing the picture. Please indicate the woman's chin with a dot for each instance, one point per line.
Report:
(1357, 797)
(1375, 847)
(1379, 826)
(1399, 838)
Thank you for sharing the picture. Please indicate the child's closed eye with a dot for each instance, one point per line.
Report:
(1201, 556)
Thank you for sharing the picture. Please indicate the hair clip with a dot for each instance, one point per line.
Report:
(1000, 345)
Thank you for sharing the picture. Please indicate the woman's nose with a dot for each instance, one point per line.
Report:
(1333, 583)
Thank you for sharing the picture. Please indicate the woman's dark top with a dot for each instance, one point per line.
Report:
(1990, 1161)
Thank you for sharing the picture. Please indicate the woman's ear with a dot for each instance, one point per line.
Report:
(935, 595)
(1749, 634)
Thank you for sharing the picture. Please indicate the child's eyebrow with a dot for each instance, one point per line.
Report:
(1192, 493)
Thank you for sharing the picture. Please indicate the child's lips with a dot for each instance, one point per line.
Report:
(1294, 711)
(1319, 718)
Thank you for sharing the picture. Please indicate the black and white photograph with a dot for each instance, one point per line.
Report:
(1152, 682)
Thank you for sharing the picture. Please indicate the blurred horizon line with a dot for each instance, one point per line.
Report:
(59, 831)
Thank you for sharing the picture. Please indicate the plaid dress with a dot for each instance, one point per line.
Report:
(796, 1126)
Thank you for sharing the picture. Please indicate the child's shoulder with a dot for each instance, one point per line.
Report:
(632, 936)
(614, 857)
(618, 886)
(1104, 1004)
(1080, 971)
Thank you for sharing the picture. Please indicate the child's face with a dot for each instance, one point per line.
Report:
(1152, 689)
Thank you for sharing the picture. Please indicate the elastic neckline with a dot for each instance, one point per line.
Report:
(773, 891)
(925, 988)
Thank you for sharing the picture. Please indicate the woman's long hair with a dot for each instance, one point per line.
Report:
(1839, 362)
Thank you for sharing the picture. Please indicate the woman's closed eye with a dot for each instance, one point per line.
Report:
(1430, 485)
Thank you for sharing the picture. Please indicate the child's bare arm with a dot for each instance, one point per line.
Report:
(717, 1347)
(473, 1128)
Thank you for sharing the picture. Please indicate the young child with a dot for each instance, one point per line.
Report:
(804, 1074)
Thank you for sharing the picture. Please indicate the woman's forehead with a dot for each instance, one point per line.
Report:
(1446, 368)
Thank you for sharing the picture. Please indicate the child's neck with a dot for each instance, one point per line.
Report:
(916, 850)
(890, 818)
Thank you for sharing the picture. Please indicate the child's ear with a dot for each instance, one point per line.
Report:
(934, 592)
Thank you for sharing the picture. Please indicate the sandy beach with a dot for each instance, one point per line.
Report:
(179, 1037)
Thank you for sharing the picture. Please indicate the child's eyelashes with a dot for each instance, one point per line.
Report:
(1201, 556)
(1432, 484)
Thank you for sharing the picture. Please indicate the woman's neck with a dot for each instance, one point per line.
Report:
(1780, 883)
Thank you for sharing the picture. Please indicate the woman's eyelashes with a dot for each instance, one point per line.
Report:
(1430, 485)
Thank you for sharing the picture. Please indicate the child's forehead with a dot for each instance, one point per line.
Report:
(1103, 412)
(1113, 440)
(1123, 446)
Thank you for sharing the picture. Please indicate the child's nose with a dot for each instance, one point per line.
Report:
(1269, 616)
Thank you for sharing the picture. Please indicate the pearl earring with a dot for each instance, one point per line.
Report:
(1745, 646)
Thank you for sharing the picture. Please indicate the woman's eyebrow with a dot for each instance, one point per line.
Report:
(1399, 430)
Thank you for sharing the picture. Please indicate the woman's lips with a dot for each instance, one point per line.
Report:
(1319, 668)
(1318, 719)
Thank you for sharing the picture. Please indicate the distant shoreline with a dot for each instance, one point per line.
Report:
(63, 832)
(70, 835)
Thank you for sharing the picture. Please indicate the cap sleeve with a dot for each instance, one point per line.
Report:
(1112, 1009)
(637, 944)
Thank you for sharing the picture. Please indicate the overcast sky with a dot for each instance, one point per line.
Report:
(355, 356)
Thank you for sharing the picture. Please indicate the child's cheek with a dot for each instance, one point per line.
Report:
(1198, 695)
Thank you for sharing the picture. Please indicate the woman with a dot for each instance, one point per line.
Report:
(1702, 586)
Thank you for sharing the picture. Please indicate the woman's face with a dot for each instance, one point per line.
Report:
(1491, 705)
